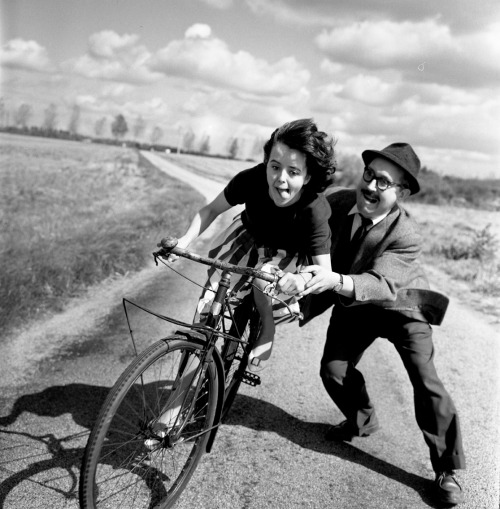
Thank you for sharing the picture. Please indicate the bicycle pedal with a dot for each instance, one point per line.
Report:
(251, 379)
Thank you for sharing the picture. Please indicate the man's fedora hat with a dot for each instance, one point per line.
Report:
(401, 154)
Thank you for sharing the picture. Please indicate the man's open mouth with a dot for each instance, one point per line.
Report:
(370, 198)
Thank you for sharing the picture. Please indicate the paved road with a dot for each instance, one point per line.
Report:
(271, 453)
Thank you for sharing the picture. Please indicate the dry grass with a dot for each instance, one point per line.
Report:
(73, 214)
(449, 232)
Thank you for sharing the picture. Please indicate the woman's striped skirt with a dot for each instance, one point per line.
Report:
(237, 246)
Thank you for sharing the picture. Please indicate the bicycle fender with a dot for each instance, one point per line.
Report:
(220, 397)
(191, 335)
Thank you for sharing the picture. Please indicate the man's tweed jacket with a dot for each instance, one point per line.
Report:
(385, 270)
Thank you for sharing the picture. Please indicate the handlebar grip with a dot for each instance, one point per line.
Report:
(168, 243)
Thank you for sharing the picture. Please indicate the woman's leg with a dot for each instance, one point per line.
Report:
(264, 343)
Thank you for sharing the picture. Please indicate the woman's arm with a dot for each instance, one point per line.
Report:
(296, 283)
(203, 219)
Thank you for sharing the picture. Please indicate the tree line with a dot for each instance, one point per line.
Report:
(134, 133)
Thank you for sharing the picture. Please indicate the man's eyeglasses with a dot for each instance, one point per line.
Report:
(381, 182)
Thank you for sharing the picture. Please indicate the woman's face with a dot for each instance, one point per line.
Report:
(286, 174)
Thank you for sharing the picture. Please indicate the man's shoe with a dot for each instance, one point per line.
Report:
(447, 488)
(345, 431)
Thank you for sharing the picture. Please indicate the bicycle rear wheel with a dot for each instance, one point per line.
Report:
(246, 326)
(137, 458)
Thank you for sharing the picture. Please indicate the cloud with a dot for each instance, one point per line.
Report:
(427, 51)
(219, 4)
(370, 90)
(383, 44)
(427, 115)
(461, 15)
(198, 30)
(209, 60)
(114, 57)
(22, 54)
(102, 104)
(296, 13)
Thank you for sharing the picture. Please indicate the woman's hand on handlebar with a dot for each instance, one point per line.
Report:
(182, 243)
(291, 284)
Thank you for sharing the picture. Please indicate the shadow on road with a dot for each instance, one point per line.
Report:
(261, 415)
(39, 457)
(44, 452)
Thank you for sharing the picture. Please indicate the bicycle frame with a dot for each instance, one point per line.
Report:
(207, 335)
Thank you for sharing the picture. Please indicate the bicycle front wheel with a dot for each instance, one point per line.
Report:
(152, 429)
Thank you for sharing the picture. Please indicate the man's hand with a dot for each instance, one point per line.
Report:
(323, 279)
(291, 284)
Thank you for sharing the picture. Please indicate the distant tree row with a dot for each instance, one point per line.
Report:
(19, 119)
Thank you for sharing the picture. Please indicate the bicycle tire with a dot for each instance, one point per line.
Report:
(128, 463)
(234, 354)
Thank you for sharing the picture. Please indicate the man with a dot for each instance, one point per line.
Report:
(380, 290)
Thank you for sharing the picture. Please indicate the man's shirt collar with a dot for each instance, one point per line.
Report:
(375, 220)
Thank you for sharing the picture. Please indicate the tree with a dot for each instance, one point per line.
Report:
(139, 127)
(99, 126)
(156, 135)
(233, 148)
(258, 148)
(119, 127)
(22, 115)
(50, 118)
(188, 140)
(205, 145)
(74, 121)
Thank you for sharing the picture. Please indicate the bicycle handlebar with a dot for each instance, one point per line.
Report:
(168, 246)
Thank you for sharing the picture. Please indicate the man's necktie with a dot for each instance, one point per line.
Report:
(359, 235)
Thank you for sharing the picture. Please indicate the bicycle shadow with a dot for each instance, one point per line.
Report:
(261, 415)
(26, 453)
(83, 402)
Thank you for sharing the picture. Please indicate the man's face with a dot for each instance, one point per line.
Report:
(370, 200)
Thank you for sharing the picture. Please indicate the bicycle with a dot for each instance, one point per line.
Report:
(165, 409)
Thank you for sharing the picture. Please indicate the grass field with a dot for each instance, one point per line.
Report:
(73, 214)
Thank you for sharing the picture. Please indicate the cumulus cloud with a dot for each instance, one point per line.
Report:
(219, 4)
(198, 30)
(461, 15)
(209, 60)
(426, 47)
(377, 44)
(427, 115)
(22, 54)
(296, 13)
(114, 57)
(370, 90)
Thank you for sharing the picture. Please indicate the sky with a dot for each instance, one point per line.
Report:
(369, 72)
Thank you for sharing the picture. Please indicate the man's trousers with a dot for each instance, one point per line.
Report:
(351, 331)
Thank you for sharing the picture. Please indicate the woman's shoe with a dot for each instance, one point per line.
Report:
(255, 365)
(259, 355)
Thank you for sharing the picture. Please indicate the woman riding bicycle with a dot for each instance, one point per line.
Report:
(284, 224)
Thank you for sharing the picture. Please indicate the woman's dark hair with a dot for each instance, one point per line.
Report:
(303, 135)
